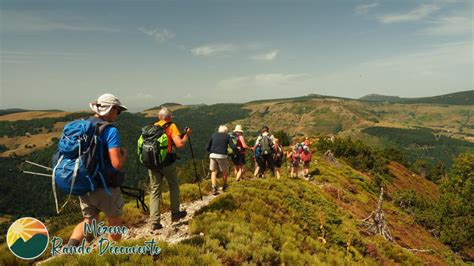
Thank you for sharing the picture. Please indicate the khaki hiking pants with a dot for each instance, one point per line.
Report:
(156, 185)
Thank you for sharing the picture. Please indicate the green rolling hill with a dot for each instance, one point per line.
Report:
(457, 98)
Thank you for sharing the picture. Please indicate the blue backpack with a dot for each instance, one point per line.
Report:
(78, 164)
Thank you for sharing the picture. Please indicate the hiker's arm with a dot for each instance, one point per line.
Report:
(256, 143)
(179, 141)
(244, 145)
(116, 152)
(209, 145)
(117, 157)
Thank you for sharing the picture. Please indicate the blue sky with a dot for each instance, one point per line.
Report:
(62, 54)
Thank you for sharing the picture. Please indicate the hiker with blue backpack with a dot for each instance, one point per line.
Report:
(265, 142)
(155, 151)
(88, 163)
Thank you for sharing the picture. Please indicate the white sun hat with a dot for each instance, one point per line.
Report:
(105, 103)
(238, 128)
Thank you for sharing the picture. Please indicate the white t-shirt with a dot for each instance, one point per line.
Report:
(259, 138)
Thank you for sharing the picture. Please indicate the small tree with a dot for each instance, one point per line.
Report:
(283, 137)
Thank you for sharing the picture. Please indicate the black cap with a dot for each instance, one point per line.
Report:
(265, 128)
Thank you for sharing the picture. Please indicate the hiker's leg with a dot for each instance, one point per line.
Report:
(78, 232)
(224, 168)
(114, 221)
(239, 172)
(278, 173)
(242, 165)
(213, 168)
(156, 183)
(262, 165)
(271, 164)
(257, 169)
(225, 175)
(236, 171)
(171, 177)
(214, 178)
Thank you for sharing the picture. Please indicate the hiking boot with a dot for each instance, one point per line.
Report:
(214, 191)
(224, 187)
(178, 215)
(156, 226)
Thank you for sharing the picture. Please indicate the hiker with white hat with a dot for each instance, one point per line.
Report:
(107, 197)
(239, 158)
(104, 104)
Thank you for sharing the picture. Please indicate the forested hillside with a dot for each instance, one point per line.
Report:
(421, 155)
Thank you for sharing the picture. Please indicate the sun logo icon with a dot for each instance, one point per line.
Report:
(27, 238)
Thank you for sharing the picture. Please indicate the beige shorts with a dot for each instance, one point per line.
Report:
(99, 200)
(219, 164)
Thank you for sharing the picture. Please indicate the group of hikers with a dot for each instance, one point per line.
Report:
(156, 152)
(267, 152)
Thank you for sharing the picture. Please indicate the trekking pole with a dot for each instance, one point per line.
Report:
(34, 173)
(38, 165)
(194, 164)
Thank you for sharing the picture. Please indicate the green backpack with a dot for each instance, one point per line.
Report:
(153, 146)
(234, 139)
(266, 143)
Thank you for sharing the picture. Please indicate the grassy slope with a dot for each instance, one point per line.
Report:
(284, 221)
(330, 116)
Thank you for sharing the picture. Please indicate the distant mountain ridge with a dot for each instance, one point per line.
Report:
(18, 110)
(456, 98)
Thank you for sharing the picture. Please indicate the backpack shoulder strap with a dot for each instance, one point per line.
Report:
(100, 124)
(167, 124)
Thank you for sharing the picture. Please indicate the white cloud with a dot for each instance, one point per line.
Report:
(25, 22)
(213, 49)
(159, 35)
(364, 8)
(418, 13)
(451, 26)
(270, 56)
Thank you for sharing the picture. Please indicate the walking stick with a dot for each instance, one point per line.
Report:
(194, 164)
